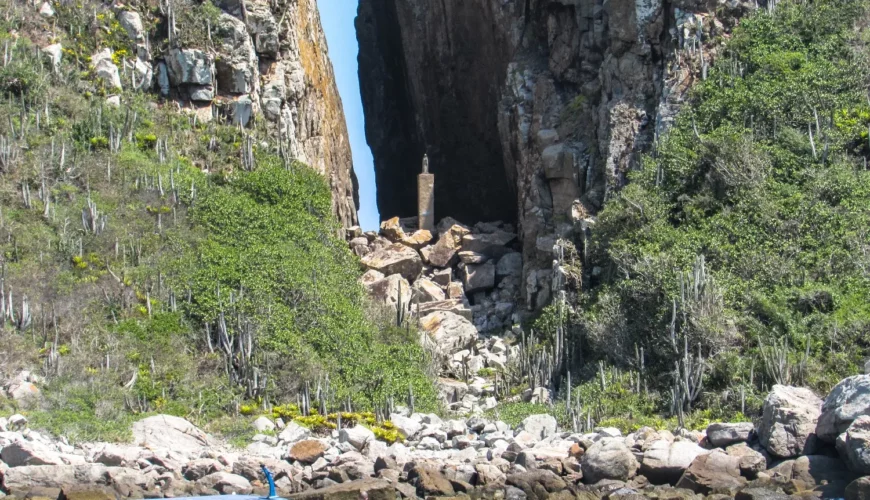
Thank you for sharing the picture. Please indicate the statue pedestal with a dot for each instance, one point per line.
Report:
(426, 202)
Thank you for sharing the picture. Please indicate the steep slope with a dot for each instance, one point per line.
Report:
(163, 248)
(531, 112)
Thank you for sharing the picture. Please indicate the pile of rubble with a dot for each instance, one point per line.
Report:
(463, 285)
(801, 448)
(475, 272)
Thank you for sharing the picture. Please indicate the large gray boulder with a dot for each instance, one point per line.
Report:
(715, 470)
(664, 461)
(226, 483)
(540, 426)
(358, 436)
(407, 426)
(428, 291)
(492, 244)
(751, 461)
(858, 489)
(510, 265)
(115, 455)
(722, 435)
(54, 53)
(236, 68)
(854, 445)
(131, 21)
(449, 331)
(788, 422)
(20, 480)
(609, 458)
(847, 401)
(171, 433)
(106, 69)
(476, 277)
(391, 290)
(395, 258)
(24, 453)
(293, 432)
(190, 66)
(828, 475)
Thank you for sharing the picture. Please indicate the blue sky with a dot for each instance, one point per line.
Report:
(337, 18)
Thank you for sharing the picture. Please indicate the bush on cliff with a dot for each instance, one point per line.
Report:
(745, 234)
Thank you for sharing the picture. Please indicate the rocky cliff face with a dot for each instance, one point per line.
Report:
(531, 111)
(262, 60)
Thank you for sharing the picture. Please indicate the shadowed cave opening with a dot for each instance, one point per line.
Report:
(456, 125)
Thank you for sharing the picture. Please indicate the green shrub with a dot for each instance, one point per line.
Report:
(782, 230)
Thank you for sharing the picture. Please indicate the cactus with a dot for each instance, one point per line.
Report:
(92, 221)
(248, 153)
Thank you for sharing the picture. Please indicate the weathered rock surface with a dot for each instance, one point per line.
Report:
(715, 470)
(854, 445)
(664, 462)
(106, 70)
(226, 483)
(751, 461)
(395, 259)
(788, 424)
(171, 433)
(858, 489)
(609, 459)
(448, 331)
(847, 401)
(539, 426)
(722, 435)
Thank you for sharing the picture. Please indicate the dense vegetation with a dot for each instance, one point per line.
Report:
(738, 256)
(148, 266)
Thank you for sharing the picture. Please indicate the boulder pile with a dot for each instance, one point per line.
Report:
(474, 456)
(462, 285)
(474, 272)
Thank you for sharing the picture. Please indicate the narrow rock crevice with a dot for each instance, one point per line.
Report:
(532, 112)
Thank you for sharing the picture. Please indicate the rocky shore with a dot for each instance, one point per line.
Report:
(802, 447)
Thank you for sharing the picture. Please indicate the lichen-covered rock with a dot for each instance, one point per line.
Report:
(54, 53)
(428, 291)
(24, 453)
(391, 291)
(788, 423)
(293, 432)
(18, 480)
(131, 21)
